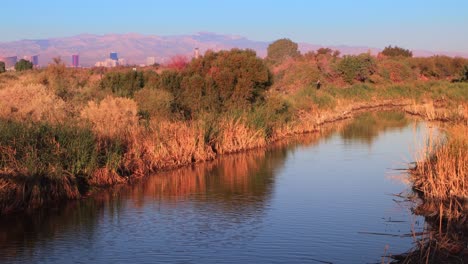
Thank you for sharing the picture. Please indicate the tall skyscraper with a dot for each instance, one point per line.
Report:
(9, 61)
(197, 53)
(75, 60)
(113, 56)
(150, 61)
(35, 60)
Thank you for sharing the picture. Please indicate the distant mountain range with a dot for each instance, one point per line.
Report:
(135, 48)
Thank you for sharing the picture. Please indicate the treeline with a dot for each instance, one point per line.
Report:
(392, 65)
(217, 82)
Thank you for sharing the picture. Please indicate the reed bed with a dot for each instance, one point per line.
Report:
(440, 179)
(441, 172)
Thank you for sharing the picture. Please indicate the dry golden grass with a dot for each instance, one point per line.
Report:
(105, 177)
(31, 102)
(441, 173)
(112, 117)
(236, 136)
(165, 144)
(430, 112)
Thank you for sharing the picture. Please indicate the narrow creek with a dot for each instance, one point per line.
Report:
(322, 198)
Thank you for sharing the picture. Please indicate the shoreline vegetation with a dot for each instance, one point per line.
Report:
(65, 132)
(440, 183)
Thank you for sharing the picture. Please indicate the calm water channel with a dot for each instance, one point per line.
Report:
(313, 199)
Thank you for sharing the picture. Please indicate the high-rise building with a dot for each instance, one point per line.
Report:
(150, 61)
(75, 60)
(9, 61)
(35, 60)
(197, 53)
(113, 56)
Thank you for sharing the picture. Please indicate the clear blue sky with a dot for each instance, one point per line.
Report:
(416, 24)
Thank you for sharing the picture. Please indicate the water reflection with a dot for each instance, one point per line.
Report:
(445, 235)
(366, 127)
(260, 206)
(238, 185)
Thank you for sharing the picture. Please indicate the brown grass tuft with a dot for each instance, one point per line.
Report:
(442, 173)
(164, 145)
(236, 136)
(31, 102)
(105, 177)
(112, 117)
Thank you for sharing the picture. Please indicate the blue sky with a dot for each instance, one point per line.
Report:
(416, 24)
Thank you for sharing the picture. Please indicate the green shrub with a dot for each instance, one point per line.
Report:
(123, 84)
(359, 67)
(54, 151)
(271, 114)
(156, 102)
(282, 49)
(23, 65)
(396, 52)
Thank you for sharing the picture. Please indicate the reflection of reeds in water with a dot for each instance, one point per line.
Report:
(249, 174)
(444, 239)
(18, 233)
(230, 174)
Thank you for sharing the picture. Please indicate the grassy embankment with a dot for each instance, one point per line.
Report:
(66, 131)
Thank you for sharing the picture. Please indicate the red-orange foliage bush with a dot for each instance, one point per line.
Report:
(178, 62)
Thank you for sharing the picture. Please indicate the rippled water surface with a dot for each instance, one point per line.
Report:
(320, 198)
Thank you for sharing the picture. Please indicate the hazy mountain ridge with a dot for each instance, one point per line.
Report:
(135, 48)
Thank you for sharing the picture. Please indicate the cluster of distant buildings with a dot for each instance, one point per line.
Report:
(11, 61)
(112, 61)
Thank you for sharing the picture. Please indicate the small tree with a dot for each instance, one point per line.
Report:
(23, 65)
(396, 52)
(2, 66)
(282, 49)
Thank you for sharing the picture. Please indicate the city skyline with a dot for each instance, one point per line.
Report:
(429, 25)
(136, 48)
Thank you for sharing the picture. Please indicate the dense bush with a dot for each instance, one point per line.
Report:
(2, 67)
(396, 52)
(440, 67)
(464, 74)
(395, 70)
(359, 67)
(23, 65)
(123, 84)
(154, 102)
(217, 82)
(282, 49)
